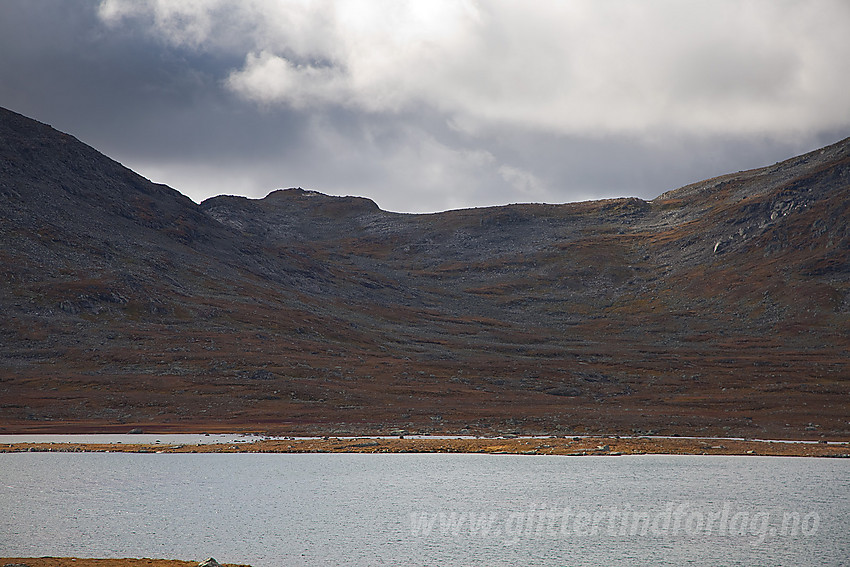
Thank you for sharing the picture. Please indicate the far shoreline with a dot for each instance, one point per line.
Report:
(610, 445)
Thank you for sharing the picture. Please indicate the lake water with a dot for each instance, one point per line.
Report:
(414, 509)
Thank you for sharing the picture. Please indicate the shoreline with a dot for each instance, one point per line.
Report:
(47, 561)
(564, 446)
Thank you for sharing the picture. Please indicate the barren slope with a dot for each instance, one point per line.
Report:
(718, 308)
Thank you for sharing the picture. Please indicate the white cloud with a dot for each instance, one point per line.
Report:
(428, 105)
(585, 67)
(415, 168)
(525, 182)
(269, 78)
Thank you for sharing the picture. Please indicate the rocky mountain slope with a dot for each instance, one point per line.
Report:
(719, 308)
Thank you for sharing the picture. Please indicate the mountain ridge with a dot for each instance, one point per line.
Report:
(720, 307)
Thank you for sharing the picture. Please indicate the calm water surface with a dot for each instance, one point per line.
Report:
(397, 509)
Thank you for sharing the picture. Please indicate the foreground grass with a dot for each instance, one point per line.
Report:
(83, 562)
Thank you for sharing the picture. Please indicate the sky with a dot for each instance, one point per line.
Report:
(430, 105)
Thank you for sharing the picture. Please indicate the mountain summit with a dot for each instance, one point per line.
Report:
(721, 308)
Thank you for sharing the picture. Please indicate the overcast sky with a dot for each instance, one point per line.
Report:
(428, 105)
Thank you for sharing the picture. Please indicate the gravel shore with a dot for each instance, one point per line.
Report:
(81, 562)
(603, 445)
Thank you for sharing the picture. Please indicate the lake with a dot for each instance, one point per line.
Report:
(427, 509)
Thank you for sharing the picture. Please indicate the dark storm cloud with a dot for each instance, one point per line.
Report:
(435, 105)
(58, 61)
(124, 90)
(126, 93)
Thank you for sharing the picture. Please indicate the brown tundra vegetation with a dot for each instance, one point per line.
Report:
(717, 309)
